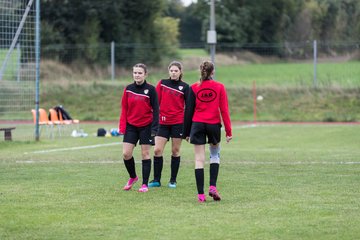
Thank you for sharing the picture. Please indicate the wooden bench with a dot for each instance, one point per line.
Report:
(7, 133)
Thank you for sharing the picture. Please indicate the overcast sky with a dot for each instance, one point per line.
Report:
(188, 2)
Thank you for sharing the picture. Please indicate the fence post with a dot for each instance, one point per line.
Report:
(112, 60)
(37, 74)
(18, 62)
(211, 34)
(315, 63)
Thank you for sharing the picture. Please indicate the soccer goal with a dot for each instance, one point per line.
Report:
(19, 67)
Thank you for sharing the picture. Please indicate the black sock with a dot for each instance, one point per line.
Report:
(175, 164)
(158, 165)
(199, 176)
(214, 172)
(130, 167)
(146, 168)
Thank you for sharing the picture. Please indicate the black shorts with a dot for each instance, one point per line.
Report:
(170, 131)
(199, 131)
(134, 134)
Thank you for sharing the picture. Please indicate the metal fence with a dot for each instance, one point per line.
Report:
(112, 61)
(18, 72)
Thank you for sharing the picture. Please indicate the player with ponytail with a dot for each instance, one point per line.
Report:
(202, 124)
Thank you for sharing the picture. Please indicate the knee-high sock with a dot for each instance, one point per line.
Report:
(175, 164)
(214, 172)
(158, 165)
(130, 167)
(199, 176)
(146, 168)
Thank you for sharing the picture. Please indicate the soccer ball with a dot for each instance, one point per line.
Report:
(114, 132)
(259, 98)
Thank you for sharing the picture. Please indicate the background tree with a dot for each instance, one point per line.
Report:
(136, 26)
(249, 22)
(189, 22)
(150, 31)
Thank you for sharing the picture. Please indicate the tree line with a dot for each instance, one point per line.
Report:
(155, 29)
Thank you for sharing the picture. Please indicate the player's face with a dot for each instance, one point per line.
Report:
(139, 75)
(174, 72)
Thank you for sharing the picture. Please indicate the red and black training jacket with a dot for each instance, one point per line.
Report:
(139, 107)
(172, 99)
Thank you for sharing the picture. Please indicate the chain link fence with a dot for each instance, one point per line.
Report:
(112, 61)
(18, 69)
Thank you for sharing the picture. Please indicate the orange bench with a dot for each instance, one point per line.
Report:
(7, 133)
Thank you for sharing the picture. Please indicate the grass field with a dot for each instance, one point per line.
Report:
(277, 182)
(279, 104)
(11, 65)
(344, 74)
(190, 52)
(287, 87)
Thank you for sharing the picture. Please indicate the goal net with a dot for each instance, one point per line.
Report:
(17, 67)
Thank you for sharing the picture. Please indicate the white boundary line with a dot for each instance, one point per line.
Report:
(68, 162)
(230, 163)
(295, 163)
(76, 148)
(243, 126)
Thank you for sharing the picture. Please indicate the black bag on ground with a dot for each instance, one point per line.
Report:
(101, 132)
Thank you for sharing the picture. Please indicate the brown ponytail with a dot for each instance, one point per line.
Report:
(206, 69)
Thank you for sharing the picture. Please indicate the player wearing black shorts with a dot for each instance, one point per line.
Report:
(138, 122)
(172, 93)
(202, 124)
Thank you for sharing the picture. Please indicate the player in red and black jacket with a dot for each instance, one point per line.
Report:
(172, 93)
(138, 122)
(207, 100)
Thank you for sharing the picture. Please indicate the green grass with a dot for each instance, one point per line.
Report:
(286, 75)
(190, 52)
(11, 66)
(277, 182)
(101, 101)
(277, 73)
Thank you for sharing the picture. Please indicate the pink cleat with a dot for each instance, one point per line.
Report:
(144, 188)
(214, 193)
(201, 198)
(130, 183)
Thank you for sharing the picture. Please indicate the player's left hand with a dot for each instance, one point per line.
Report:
(228, 138)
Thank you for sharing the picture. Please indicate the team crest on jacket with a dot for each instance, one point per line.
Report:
(181, 88)
(146, 91)
(206, 95)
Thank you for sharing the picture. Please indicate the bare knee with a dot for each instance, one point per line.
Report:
(175, 151)
(158, 151)
(145, 155)
(127, 155)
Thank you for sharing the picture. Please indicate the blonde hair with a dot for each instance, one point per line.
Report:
(206, 69)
